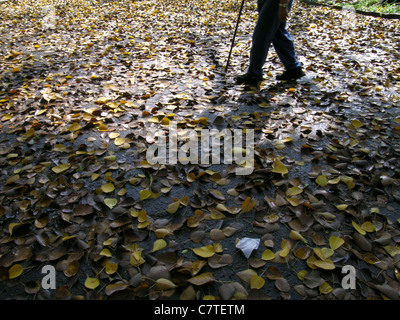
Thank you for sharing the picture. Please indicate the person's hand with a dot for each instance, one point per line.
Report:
(283, 14)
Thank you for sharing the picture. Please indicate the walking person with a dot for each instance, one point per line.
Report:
(271, 29)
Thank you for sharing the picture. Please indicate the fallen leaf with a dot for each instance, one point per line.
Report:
(202, 279)
(159, 244)
(248, 205)
(15, 271)
(61, 168)
(163, 284)
(268, 255)
(256, 282)
(358, 228)
(74, 127)
(107, 188)
(335, 242)
(173, 207)
(205, 252)
(110, 202)
(322, 180)
(279, 167)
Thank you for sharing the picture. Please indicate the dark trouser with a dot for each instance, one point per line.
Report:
(270, 30)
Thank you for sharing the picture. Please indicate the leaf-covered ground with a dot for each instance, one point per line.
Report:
(85, 85)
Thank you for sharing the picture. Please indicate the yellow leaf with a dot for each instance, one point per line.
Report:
(368, 226)
(163, 284)
(11, 226)
(102, 127)
(162, 232)
(159, 244)
(145, 194)
(74, 127)
(61, 168)
(95, 176)
(342, 207)
(6, 117)
(114, 135)
(142, 216)
(107, 188)
(327, 252)
(111, 268)
(357, 123)
(302, 274)
(325, 264)
(110, 158)
(392, 250)
(105, 252)
(294, 235)
(15, 271)
(256, 282)
(293, 191)
(13, 179)
(321, 180)
(358, 228)
(247, 205)
(102, 100)
(284, 252)
(91, 283)
(348, 181)
(110, 202)
(205, 252)
(136, 258)
(120, 141)
(165, 121)
(294, 201)
(287, 139)
(279, 167)
(268, 255)
(325, 288)
(335, 242)
(334, 181)
(173, 207)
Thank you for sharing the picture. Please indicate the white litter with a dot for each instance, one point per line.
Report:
(247, 245)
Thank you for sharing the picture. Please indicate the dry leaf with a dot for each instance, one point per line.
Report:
(91, 283)
(256, 282)
(248, 205)
(205, 252)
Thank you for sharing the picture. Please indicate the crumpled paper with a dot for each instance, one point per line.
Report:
(247, 245)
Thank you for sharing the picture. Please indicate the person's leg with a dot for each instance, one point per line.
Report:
(284, 48)
(264, 33)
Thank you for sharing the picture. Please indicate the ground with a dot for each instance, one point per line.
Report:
(86, 87)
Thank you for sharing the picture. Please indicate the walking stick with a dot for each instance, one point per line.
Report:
(234, 36)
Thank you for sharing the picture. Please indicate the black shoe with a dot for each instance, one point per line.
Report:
(292, 74)
(249, 79)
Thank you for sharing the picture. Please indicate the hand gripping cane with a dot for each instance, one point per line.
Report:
(234, 36)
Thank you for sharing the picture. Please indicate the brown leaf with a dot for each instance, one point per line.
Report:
(218, 261)
(83, 210)
(282, 285)
(248, 205)
(115, 287)
(202, 279)
(273, 273)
